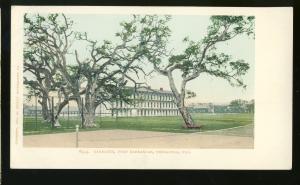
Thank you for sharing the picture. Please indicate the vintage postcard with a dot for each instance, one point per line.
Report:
(151, 87)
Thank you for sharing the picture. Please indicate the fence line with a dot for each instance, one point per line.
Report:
(34, 115)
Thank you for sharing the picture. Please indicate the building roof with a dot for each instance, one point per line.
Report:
(149, 89)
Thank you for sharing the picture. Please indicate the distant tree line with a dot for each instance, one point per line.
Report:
(235, 106)
(241, 106)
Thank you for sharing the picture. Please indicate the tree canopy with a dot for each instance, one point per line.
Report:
(100, 77)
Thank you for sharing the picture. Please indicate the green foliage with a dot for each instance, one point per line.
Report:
(241, 106)
(48, 32)
(227, 27)
(148, 36)
(190, 94)
(202, 56)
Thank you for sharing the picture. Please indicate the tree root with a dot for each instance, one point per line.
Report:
(191, 126)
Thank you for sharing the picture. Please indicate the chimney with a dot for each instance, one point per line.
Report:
(161, 89)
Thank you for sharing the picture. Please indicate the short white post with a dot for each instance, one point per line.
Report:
(77, 129)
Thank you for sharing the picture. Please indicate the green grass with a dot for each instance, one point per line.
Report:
(163, 124)
(247, 131)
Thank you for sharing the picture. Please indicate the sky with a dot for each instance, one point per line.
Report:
(208, 88)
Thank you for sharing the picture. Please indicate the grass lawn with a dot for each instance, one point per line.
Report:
(164, 124)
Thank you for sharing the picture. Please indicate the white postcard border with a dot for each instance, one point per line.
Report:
(273, 102)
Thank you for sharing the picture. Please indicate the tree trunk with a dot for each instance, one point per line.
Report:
(60, 106)
(45, 110)
(187, 118)
(88, 111)
(80, 107)
(180, 102)
(89, 119)
(89, 114)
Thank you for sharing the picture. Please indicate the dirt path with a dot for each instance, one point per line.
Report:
(139, 139)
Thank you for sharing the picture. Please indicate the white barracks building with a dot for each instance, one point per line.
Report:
(149, 102)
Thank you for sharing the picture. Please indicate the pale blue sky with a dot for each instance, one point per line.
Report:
(207, 88)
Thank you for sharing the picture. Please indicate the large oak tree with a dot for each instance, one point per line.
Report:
(102, 76)
(203, 57)
(111, 66)
(39, 78)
